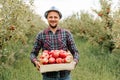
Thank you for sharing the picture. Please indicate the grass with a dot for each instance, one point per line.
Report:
(93, 64)
(103, 66)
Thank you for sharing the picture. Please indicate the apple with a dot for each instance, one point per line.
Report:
(42, 56)
(51, 60)
(12, 27)
(68, 59)
(51, 52)
(45, 51)
(43, 60)
(69, 53)
(63, 54)
(59, 60)
(54, 53)
(45, 54)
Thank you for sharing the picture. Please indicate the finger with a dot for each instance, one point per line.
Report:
(38, 66)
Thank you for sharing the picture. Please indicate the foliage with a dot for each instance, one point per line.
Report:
(102, 31)
(18, 23)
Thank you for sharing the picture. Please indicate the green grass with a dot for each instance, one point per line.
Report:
(93, 64)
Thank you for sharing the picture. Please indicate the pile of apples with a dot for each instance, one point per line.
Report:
(55, 57)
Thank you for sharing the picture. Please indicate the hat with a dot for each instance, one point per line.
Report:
(53, 9)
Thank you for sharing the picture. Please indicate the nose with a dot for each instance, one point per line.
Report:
(53, 18)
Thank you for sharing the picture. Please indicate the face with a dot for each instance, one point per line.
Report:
(53, 19)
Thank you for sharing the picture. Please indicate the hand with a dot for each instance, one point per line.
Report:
(75, 62)
(37, 65)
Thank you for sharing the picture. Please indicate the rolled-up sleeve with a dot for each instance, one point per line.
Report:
(36, 48)
(72, 47)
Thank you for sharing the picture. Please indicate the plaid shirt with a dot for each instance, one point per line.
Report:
(46, 40)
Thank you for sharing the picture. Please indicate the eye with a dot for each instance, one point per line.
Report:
(50, 17)
(55, 17)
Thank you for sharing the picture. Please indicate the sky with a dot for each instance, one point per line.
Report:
(68, 7)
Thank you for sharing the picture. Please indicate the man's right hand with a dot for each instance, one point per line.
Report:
(37, 64)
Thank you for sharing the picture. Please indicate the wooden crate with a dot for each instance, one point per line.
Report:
(57, 67)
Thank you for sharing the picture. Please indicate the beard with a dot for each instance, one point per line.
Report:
(53, 26)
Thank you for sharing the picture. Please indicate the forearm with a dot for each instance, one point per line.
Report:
(33, 57)
(34, 53)
(35, 50)
(76, 57)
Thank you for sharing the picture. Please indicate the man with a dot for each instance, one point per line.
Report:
(54, 38)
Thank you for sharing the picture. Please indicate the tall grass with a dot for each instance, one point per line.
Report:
(93, 65)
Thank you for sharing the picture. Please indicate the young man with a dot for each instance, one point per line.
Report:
(54, 38)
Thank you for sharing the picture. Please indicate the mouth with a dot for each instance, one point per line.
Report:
(53, 23)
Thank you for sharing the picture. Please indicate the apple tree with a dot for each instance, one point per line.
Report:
(18, 22)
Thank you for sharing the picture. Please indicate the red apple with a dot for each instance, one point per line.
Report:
(51, 60)
(54, 53)
(59, 60)
(51, 52)
(63, 54)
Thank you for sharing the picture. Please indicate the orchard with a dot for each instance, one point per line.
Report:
(18, 23)
(97, 37)
(102, 31)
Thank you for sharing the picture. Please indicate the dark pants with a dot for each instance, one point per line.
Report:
(61, 75)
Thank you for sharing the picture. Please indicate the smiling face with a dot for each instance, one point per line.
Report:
(53, 19)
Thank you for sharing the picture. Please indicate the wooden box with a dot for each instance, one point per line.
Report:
(57, 67)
